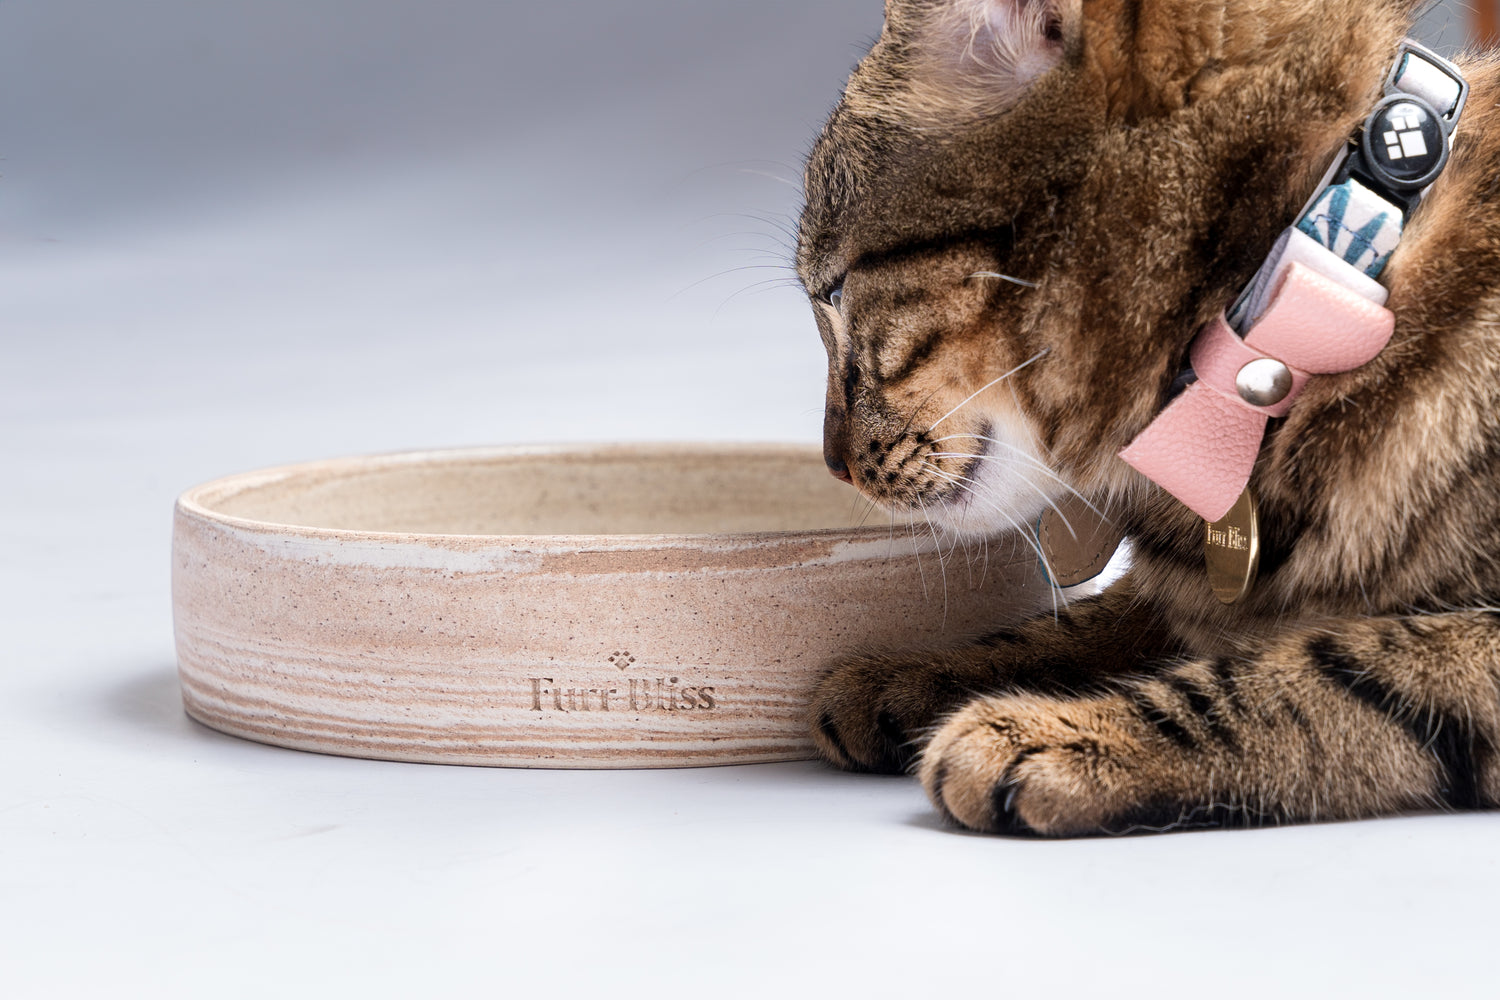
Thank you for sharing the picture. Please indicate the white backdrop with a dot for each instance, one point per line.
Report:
(237, 234)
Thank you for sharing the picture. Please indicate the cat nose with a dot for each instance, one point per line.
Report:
(839, 469)
(836, 444)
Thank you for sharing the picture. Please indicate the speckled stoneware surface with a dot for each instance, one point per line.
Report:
(621, 606)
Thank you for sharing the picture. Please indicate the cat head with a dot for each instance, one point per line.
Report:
(1021, 211)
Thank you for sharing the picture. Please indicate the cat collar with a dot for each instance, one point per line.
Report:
(1316, 306)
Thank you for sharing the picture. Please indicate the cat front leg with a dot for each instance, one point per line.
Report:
(1347, 719)
(874, 712)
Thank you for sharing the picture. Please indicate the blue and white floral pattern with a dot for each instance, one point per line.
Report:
(1355, 223)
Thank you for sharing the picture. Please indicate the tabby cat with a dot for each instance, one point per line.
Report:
(1017, 218)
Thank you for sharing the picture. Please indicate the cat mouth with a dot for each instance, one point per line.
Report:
(1001, 485)
(976, 481)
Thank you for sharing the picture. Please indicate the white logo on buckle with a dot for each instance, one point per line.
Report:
(1405, 140)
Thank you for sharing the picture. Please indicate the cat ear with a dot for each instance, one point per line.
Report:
(990, 51)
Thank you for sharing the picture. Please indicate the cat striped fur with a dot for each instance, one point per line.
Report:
(1127, 190)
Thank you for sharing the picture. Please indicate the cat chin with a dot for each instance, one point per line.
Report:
(1003, 497)
(1009, 486)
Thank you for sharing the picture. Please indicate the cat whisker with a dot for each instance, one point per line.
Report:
(916, 410)
(1030, 361)
(870, 508)
(762, 254)
(1040, 492)
(785, 235)
(1023, 455)
(971, 484)
(1004, 277)
(1020, 455)
(853, 507)
(966, 485)
(726, 272)
(911, 523)
(968, 555)
(942, 565)
(770, 176)
(776, 245)
(1022, 533)
(1030, 461)
(750, 164)
(759, 288)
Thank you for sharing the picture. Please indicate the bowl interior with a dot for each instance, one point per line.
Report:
(640, 490)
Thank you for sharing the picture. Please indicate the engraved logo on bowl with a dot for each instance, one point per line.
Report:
(630, 694)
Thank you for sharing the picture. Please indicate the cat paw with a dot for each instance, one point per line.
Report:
(1022, 764)
(874, 713)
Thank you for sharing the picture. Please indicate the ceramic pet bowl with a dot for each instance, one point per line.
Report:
(622, 606)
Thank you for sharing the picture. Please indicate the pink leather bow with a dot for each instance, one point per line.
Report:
(1202, 447)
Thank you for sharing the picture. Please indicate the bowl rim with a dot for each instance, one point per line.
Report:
(195, 502)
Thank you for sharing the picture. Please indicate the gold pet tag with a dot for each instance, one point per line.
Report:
(1232, 550)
